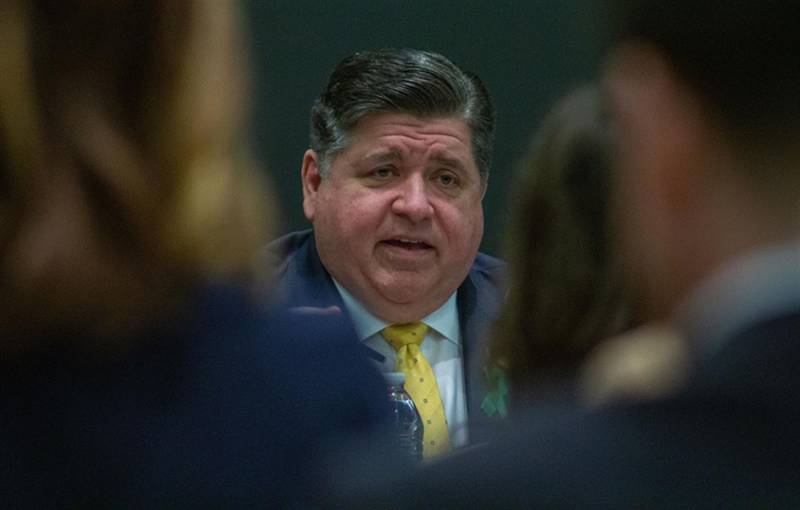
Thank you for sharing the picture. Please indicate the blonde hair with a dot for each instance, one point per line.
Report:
(123, 178)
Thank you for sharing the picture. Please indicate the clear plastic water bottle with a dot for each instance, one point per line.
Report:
(406, 418)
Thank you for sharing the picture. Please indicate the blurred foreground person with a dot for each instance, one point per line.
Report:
(134, 369)
(565, 331)
(567, 305)
(707, 201)
(565, 291)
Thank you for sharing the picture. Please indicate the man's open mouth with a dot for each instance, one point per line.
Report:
(408, 244)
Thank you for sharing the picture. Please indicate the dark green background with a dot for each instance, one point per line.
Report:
(527, 53)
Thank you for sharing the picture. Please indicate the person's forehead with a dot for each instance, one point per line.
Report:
(404, 124)
(386, 134)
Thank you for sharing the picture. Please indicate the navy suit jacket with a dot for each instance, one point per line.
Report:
(303, 281)
(219, 406)
(730, 439)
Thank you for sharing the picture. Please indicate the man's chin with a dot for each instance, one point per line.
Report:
(404, 307)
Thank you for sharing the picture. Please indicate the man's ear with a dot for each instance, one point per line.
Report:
(311, 179)
(663, 133)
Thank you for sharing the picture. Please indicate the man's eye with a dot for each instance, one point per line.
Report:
(383, 173)
(447, 180)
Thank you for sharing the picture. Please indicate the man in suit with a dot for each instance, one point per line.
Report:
(393, 183)
(707, 204)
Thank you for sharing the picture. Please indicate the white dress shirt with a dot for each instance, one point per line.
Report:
(441, 346)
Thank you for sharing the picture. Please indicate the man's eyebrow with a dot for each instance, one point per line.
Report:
(448, 161)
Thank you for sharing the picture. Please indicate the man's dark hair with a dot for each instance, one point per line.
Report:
(741, 57)
(420, 83)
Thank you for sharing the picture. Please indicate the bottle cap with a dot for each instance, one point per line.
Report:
(395, 378)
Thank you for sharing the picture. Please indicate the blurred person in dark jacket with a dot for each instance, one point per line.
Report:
(136, 368)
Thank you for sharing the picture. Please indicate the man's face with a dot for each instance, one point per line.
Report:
(398, 219)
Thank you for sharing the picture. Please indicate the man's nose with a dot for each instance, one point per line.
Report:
(413, 200)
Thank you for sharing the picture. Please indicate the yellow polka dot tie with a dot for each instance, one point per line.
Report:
(420, 384)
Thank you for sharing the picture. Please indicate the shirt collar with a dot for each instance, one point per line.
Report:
(755, 286)
(443, 320)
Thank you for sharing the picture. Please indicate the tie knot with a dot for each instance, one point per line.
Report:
(399, 335)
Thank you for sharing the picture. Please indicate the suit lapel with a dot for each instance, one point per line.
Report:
(477, 308)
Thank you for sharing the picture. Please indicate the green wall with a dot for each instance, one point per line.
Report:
(527, 53)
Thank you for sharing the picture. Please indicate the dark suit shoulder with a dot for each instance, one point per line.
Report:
(490, 269)
(728, 440)
(488, 262)
(299, 278)
(278, 254)
(190, 414)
